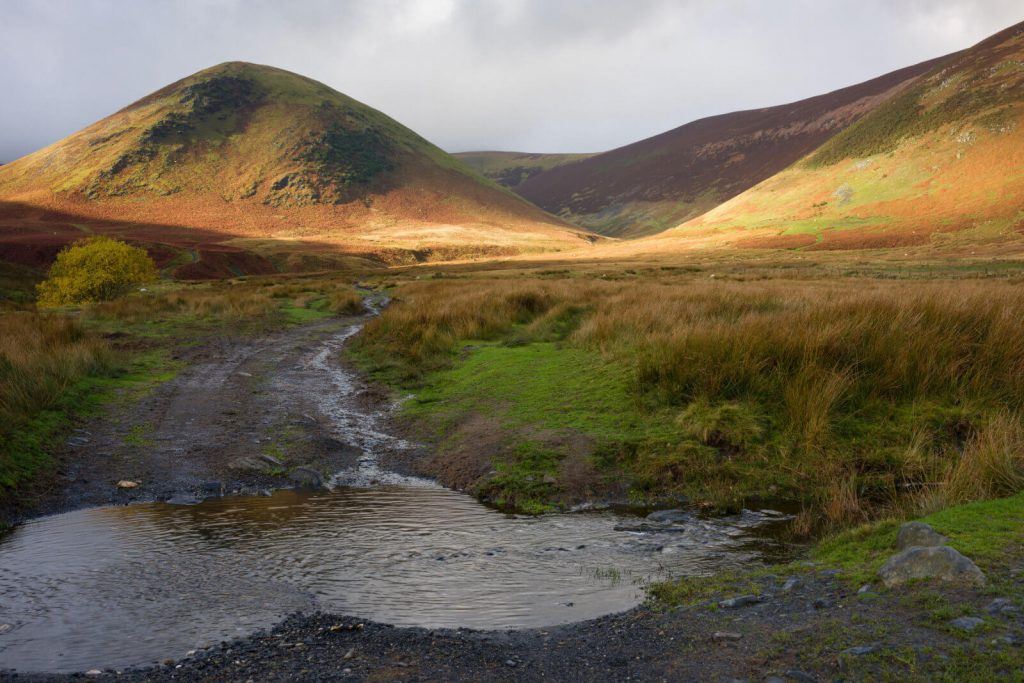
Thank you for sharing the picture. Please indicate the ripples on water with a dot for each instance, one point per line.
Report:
(122, 586)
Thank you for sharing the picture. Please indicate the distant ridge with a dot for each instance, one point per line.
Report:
(654, 184)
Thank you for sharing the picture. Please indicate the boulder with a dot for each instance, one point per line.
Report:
(935, 562)
(307, 477)
(256, 462)
(918, 534)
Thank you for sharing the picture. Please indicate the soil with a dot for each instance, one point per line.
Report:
(237, 396)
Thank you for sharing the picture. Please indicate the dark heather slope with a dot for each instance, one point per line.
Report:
(654, 184)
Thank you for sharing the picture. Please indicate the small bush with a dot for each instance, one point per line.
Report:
(95, 269)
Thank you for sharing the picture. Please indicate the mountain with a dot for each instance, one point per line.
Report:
(940, 165)
(657, 183)
(249, 158)
(510, 169)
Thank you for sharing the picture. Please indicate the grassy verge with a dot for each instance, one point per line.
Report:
(855, 397)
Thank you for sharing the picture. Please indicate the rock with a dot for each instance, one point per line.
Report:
(966, 623)
(93, 672)
(256, 462)
(829, 573)
(859, 650)
(4, 628)
(1002, 606)
(646, 528)
(741, 601)
(823, 603)
(937, 562)
(726, 635)
(183, 499)
(918, 534)
(802, 676)
(866, 588)
(676, 516)
(214, 488)
(511, 662)
(307, 477)
(127, 484)
(792, 583)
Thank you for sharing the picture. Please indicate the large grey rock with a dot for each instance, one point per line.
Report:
(937, 562)
(307, 477)
(918, 534)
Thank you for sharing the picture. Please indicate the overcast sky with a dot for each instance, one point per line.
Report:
(532, 75)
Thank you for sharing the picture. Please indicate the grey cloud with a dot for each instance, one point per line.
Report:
(537, 75)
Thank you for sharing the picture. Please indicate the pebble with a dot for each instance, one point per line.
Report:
(741, 601)
(511, 662)
(791, 584)
(802, 676)
(726, 635)
(1002, 606)
(866, 588)
(966, 623)
(860, 650)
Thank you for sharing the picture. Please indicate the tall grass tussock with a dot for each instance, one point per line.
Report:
(856, 397)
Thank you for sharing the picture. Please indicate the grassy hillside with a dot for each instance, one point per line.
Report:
(246, 152)
(509, 169)
(941, 165)
(657, 183)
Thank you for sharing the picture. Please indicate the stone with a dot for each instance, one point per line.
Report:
(918, 534)
(127, 484)
(1002, 606)
(214, 488)
(792, 583)
(726, 635)
(93, 672)
(741, 601)
(256, 462)
(801, 676)
(866, 588)
(936, 562)
(966, 623)
(307, 477)
(859, 650)
(676, 516)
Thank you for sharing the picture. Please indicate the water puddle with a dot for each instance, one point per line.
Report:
(123, 586)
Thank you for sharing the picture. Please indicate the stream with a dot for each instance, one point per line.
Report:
(125, 586)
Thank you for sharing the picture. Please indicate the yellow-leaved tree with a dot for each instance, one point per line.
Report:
(95, 269)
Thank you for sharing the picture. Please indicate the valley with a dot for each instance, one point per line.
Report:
(288, 392)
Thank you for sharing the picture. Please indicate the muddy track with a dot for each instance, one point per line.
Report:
(217, 428)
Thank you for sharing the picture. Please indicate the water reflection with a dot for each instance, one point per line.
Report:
(129, 585)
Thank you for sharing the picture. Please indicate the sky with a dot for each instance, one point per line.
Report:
(527, 75)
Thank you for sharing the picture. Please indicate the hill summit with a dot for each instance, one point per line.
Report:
(247, 152)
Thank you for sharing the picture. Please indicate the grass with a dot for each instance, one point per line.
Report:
(857, 398)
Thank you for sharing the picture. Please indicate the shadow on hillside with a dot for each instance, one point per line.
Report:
(32, 235)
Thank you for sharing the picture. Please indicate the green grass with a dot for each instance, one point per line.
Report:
(28, 448)
(983, 531)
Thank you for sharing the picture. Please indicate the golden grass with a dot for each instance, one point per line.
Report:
(40, 355)
(856, 396)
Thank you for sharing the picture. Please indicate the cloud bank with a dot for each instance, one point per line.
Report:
(531, 75)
